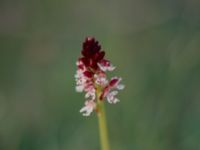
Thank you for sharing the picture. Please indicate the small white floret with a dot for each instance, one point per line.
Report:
(90, 105)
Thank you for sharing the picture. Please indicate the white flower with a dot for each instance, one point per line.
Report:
(91, 94)
(90, 105)
(111, 97)
(105, 68)
(79, 88)
(110, 90)
(102, 81)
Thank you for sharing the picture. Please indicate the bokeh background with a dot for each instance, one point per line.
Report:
(154, 44)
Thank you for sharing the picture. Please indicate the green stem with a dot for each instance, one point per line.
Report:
(103, 126)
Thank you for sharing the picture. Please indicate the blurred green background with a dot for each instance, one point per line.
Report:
(155, 46)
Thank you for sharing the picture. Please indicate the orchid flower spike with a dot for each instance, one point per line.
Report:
(91, 77)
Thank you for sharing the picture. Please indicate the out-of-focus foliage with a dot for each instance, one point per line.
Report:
(155, 46)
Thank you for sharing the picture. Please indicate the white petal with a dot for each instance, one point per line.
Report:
(115, 100)
(91, 95)
(87, 95)
(83, 109)
(101, 81)
(106, 68)
(120, 87)
(114, 93)
(87, 112)
(79, 88)
(111, 68)
(110, 98)
(102, 67)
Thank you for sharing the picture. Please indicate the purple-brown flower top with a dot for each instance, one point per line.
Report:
(92, 53)
(91, 76)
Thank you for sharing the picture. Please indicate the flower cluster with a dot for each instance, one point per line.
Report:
(91, 76)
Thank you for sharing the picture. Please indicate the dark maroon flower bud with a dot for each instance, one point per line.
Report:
(88, 74)
(90, 47)
(92, 53)
(113, 82)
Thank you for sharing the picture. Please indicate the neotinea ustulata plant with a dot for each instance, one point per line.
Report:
(91, 78)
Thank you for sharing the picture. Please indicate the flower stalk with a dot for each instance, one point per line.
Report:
(103, 132)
